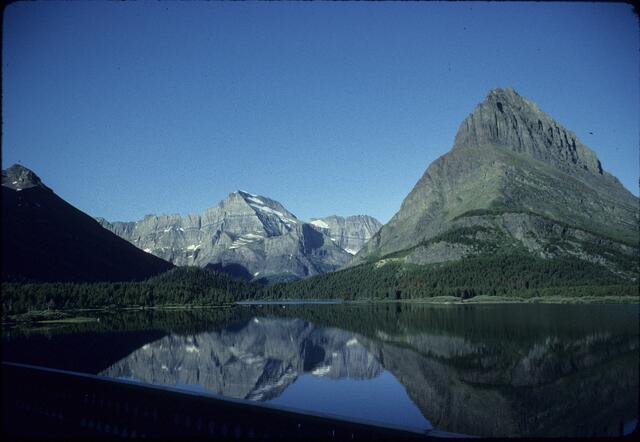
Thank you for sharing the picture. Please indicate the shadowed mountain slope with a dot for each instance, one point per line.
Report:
(44, 238)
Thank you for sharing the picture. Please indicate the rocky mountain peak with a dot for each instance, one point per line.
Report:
(265, 208)
(247, 235)
(18, 177)
(245, 194)
(509, 120)
(510, 158)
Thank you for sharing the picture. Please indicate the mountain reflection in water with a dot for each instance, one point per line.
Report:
(261, 358)
(500, 370)
(255, 360)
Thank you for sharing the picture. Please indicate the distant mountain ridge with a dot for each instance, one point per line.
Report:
(44, 238)
(249, 236)
(515, 179)
(350, 233)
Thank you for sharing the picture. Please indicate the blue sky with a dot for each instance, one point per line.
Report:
(130, 108)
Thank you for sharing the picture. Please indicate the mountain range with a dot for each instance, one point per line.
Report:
(250, 236)
(246, 235)
(517, 189)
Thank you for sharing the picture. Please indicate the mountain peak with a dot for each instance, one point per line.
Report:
(509, 160)
(246, 235)
(507, 92)
(242, 202)
(18, 177)
(508, 120)
(247, 197)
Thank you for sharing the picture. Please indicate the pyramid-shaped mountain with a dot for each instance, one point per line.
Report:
(515, 180)
(44, 238)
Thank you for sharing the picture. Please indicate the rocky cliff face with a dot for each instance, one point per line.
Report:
(247, 235)
(255, 360)
(350, 233)
(509, 120)
(528, 181)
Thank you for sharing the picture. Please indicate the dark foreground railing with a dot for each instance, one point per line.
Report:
(40, 402)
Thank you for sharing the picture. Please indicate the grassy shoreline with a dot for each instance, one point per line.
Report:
(76, 316)
(491, 299)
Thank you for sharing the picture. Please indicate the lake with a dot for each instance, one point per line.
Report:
(484, 370)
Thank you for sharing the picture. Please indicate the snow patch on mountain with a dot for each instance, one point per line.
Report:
(255, 200)
(243, 240)
(285, 219)
(320, 223)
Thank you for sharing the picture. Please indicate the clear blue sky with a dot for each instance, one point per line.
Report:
(130, 108)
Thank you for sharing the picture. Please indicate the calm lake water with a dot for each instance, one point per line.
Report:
(486, 370)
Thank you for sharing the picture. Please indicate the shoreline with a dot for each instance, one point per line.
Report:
(75, 316)
(451, 300)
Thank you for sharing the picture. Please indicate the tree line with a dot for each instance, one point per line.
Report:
(509, 274)
(178, 286)
(506, 275)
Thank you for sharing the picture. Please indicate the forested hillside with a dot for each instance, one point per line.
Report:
(179, 286)
(512, 274)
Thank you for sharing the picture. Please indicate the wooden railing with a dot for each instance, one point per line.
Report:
(42, 402)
